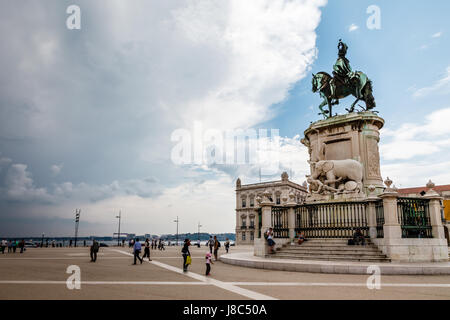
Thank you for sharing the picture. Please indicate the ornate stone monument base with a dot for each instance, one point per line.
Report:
(338, 147)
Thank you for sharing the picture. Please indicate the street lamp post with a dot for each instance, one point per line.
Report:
(198, 235)
(118, 234)
(177, 227)
(77, 221)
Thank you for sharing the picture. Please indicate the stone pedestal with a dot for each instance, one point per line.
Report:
(260, 245)
(435, 214)
(352, 136)
(372, 217)
(291, 221)
(391, 228)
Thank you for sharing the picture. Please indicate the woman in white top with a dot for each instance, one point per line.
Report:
(270, 241)
(4, 244)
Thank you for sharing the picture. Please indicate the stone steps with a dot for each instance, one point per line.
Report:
(332, 250)
(331, 258)
(334, 247)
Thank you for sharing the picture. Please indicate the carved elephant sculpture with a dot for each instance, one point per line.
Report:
(335, 170)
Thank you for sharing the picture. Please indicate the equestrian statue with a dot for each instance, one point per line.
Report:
(344, 82)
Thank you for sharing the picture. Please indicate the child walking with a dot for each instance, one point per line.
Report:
(208, 263)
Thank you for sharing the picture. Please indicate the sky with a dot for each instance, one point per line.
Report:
(90, 117)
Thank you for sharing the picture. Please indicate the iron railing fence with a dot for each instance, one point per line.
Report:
(379, 209)
(414, 217)
(444, 221)
(331, 220)
(280, 222)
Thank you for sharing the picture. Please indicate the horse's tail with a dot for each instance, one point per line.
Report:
(368, 97)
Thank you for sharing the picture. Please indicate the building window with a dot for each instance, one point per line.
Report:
(252, 222)
(252, 236)
(244, 222)
(278, 199)
(244, 203)
(243, 236)
(252, 202)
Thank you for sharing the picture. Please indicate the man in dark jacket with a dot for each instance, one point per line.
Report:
(94, 250)
(185, 253)
(358, 237)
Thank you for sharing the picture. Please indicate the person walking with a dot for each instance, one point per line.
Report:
(147, 250)
(227, 244)
(9, 246)
(4, 245)
(208, 263)
(186, 253)
(211, 244)
(22, 245)
(14, 246)
(216, 247)
(137, 247)
(94, 250)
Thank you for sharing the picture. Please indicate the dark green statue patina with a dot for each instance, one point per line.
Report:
(344, 82)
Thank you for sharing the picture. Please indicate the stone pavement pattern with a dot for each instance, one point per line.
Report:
(114, 277)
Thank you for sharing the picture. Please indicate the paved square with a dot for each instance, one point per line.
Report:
(40, 273)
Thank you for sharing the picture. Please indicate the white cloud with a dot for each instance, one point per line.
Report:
(437, 35)
(20, 187)
(417, 152)
(211, 202)
(291, 156)
(267, 46)
(118, 90)
(353, 27)
(407, 149)
(417, 173)
(442, 86)
(416, 139)
(56, 169)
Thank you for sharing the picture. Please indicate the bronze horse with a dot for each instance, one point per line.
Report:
(359, 86)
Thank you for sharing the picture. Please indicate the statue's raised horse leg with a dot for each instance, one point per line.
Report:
(352, 108)
(324, 103)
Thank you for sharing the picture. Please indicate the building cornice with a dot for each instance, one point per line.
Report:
(271, 184)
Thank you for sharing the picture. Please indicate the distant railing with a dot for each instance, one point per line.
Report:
(335, 220)
(444, 221)
(414, 217)
(379, 210)
(259, 222)
(280, 222)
